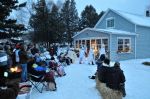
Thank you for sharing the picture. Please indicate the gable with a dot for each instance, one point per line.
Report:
(120, 22)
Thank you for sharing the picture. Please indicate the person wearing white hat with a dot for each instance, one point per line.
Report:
(102, 51)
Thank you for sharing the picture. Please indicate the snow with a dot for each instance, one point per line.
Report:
(114, 31)
(108, 31)
(135, 18)
(77, 85)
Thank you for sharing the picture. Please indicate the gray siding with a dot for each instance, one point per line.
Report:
(143, 42)
(88, 34)
(120, 22)
(114, 56)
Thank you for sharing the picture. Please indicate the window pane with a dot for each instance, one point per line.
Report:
(105, 41)
(93, 44)
(120, 41)
(98, 41)
(120, 47)
(126, 41)
(83, 42)
(126, 48)
(110, 23)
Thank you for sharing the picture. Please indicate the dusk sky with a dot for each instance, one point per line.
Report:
(133, 6)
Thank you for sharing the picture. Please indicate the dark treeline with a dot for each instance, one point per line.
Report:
(49, 22)
(8, 26)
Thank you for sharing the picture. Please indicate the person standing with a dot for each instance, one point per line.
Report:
(23, 61)
(81, 55)
(102, 51)
(91, 57)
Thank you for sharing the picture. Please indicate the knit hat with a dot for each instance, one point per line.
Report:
(117, 64)
(107, 61)
(52, 58)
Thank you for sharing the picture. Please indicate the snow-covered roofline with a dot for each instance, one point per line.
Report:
(133, 18)
(108, 31)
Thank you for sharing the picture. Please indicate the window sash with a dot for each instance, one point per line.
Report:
(110, 23)
(124, 45)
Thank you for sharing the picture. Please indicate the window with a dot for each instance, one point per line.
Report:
(124, 45)
(93, 44)
(110, 23)
(77, 44)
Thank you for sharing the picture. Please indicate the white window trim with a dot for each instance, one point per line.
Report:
(110, 18)
(123, 43)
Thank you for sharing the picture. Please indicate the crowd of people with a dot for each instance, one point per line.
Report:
(50, 63)
(33, 60)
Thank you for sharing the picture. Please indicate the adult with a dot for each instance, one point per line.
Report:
(23, 61)
(102, 51)
(118, 79)
(81, 55)
(91, 57)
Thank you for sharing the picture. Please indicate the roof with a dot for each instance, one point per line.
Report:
(133, 18)
(107, 31)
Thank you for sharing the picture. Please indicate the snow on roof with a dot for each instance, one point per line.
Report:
(135, 18)
(114, 31)
(108, 31)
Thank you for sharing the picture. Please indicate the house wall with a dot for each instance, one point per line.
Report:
(120, 22)
(88, 34)
(143, 42)
(114, 56)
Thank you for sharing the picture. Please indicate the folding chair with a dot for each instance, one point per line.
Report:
(36, 81)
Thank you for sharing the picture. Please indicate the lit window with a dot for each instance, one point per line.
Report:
(124, 45)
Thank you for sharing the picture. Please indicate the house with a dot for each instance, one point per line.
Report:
(125, 35)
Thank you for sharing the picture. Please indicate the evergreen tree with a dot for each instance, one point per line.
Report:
(56, 25)
(8, 26)
(70, 19)
(40, 23)
(89, 17)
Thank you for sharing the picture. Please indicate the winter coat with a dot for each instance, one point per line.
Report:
(3, 58)
(23, 57)
(82, 53)
(34, 51)
(102, 51)
(116, 78)
(10, 92)
(112, 76)
(72, 55)
(104, 72)
(91, 55)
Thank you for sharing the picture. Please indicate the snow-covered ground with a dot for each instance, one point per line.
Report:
(77, 85)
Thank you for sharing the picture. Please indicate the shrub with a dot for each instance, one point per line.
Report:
(146, 63)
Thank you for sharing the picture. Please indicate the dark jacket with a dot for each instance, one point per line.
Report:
(116, 78)
(112, 76)
(23, 57)
(10, 92)
(103, 73)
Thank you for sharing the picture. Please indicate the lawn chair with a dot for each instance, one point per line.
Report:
(37, 81)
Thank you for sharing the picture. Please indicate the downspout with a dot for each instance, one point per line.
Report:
(135, 42)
